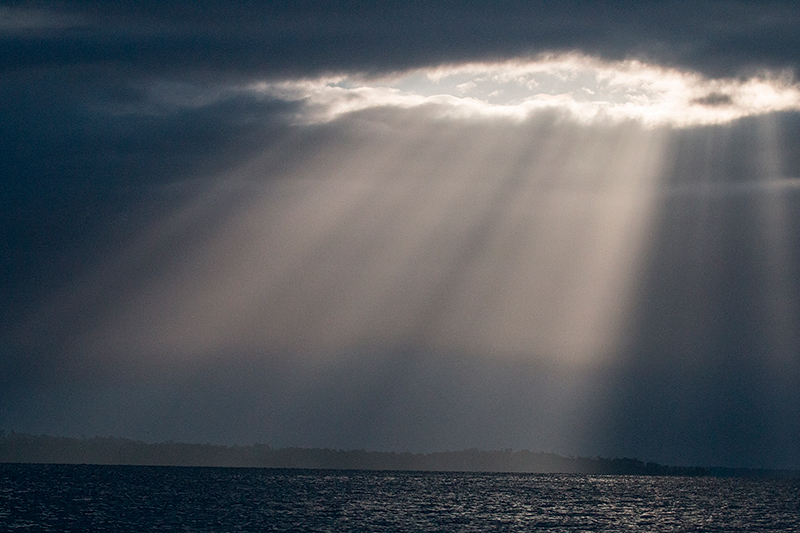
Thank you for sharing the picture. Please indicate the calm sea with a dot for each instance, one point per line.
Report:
(139, 498)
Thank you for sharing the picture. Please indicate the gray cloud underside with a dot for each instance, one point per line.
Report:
(299, 38)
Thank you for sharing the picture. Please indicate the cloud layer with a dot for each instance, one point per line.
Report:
(578, 86)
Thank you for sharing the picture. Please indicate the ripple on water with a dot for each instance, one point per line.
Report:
(134, 498)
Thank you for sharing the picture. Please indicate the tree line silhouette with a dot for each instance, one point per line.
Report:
(25, 448)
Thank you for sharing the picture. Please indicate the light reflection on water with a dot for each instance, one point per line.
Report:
(136, 498)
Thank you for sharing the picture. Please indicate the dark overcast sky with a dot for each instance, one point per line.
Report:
(181, 259)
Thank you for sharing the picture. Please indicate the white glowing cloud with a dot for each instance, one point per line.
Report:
(585, 88)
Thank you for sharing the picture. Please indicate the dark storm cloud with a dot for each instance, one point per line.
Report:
(70, 162)
(258, 39)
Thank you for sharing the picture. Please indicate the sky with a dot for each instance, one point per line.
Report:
(409, 226)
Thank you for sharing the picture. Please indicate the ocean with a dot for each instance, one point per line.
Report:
(35, 497)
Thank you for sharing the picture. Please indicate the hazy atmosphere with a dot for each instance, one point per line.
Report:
(409, 226)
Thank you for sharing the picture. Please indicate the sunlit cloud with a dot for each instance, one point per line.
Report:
(582, 87)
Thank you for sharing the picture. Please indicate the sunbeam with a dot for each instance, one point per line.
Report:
(477, 253)
(780, 295)
(503, 239)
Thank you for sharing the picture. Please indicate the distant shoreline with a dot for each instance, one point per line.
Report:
(25, 448)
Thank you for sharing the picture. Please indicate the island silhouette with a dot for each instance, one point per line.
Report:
(25, 448)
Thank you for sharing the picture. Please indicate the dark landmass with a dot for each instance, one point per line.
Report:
(24, 448)
(719, 471)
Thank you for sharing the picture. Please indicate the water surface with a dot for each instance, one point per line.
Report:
(143, 498)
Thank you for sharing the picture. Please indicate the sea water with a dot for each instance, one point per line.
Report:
(152, 498)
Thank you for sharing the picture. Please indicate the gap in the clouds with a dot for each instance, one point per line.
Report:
(582, 87)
